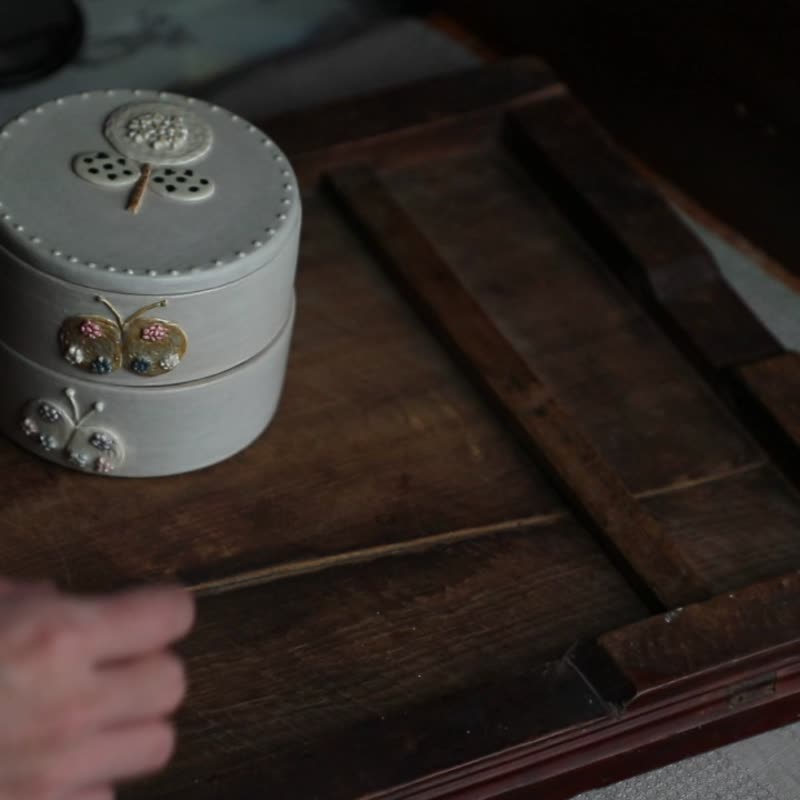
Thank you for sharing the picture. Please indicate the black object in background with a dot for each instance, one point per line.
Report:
(36, 38)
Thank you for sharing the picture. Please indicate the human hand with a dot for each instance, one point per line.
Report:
(86, 688)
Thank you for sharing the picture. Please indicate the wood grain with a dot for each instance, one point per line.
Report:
(353, 763)
(774, 384)
(548, 431)
(722, 634)
(564, 310)
(553, 729)
(713, 691)
(735, 531)
(281, 670)
(645, 242)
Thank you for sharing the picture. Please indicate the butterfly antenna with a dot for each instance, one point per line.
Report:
(96, 408)
(113, 310)
(70, 393)
(132, 317)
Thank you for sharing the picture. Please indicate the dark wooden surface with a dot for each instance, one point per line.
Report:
(592, 486)
(511, 523)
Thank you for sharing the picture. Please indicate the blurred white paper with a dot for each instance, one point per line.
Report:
(156, 44)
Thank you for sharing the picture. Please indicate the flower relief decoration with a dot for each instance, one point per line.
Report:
(147, 347)
(152, 146)
(59, 427)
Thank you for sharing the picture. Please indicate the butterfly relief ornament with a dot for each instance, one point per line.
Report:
(60, 428)
(152, 146)
(144, 346)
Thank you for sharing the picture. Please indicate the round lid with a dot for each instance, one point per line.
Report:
(143, 192)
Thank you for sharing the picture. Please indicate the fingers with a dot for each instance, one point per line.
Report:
(116, 755)
(87, 686)
(138, 622)
(138, 691)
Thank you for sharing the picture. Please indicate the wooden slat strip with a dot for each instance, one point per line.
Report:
(663, 262)
(637, 233)
(758, 623)
(542, 424)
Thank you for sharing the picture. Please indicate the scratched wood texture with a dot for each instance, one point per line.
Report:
(500, 471)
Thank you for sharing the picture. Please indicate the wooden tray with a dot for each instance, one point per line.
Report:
(527, 520)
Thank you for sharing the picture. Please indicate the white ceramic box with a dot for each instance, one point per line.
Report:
(148, 247)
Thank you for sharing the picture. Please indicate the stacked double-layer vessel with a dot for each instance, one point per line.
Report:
(148, 246)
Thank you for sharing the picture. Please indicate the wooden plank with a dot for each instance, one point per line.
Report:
(696, 680)
(774, 384)
(290, 677)
(288, 723)
(391, 750)
(543, 425)
(753, 629)
(711, 520)
(567, 314)
(429, 102)
(379, 440)
(638, 234)
(467, 133)
(737, 530)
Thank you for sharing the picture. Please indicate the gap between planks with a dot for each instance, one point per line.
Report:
(294, 569)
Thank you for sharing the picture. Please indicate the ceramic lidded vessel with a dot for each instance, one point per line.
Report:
(148, 246)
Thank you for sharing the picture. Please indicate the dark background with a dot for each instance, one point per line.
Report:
(705, 92)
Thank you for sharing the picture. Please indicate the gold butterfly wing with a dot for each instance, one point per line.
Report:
(93, 344)
(153, 346)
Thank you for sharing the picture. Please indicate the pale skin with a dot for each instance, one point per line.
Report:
(87, 688)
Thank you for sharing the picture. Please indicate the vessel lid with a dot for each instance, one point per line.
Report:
(216, 197)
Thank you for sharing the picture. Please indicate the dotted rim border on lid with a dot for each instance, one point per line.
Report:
(270, 230)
